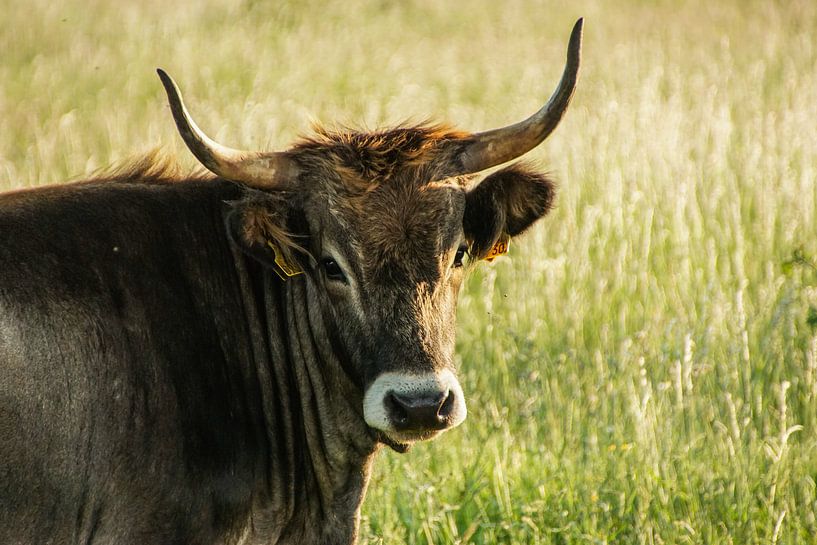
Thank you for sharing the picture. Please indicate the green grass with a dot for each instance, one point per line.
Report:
(642, 368)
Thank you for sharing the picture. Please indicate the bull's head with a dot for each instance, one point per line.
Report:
(381, 224)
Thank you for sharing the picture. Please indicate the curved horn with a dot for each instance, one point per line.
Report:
(491, 148)
(263, 170)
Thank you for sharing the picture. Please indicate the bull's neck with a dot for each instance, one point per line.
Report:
(319, 446)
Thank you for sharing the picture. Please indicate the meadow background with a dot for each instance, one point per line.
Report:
(643, 367)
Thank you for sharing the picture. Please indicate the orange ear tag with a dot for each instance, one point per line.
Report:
(284, 269)
(500, 247)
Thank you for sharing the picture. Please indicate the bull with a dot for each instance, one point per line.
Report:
(217, 358)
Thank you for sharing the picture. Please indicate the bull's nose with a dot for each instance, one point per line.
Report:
(414, 407)
(420, 412)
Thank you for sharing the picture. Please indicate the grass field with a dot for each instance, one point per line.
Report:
(643, 367)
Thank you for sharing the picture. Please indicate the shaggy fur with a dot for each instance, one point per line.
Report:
(366, 159)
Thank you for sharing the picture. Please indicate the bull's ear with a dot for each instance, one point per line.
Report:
(505, 203)
(259, 227)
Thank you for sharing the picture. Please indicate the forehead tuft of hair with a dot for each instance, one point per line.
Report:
(370, 157)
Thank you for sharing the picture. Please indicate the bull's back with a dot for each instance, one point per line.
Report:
(115, 350)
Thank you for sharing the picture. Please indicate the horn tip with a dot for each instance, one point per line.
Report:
(576, 34)
(167, 81)
(574, 47)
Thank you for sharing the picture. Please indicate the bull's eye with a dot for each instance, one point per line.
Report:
(458, 257)
(333, 270)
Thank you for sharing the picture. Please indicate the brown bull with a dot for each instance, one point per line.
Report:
(217, 359)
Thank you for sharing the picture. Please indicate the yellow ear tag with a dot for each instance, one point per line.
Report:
(501, 247)
(285, 269)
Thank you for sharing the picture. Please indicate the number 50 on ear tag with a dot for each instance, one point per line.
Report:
(499, 248)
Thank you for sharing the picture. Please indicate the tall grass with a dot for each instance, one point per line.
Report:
(643, 367)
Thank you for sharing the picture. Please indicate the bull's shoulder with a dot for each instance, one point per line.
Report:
(70, 238)
(85, 210)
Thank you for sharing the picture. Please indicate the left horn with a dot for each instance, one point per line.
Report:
(487, 149)
(262, 170)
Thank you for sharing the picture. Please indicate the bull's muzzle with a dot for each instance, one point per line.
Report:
(414, 407)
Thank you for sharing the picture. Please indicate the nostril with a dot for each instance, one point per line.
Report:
(396, 409)
(447, 406)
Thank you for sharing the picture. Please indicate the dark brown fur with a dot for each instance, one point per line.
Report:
(176, 389)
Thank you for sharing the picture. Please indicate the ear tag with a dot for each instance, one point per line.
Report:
(500, 247)
(285, 269)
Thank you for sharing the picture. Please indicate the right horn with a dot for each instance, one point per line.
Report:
(487, 149)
